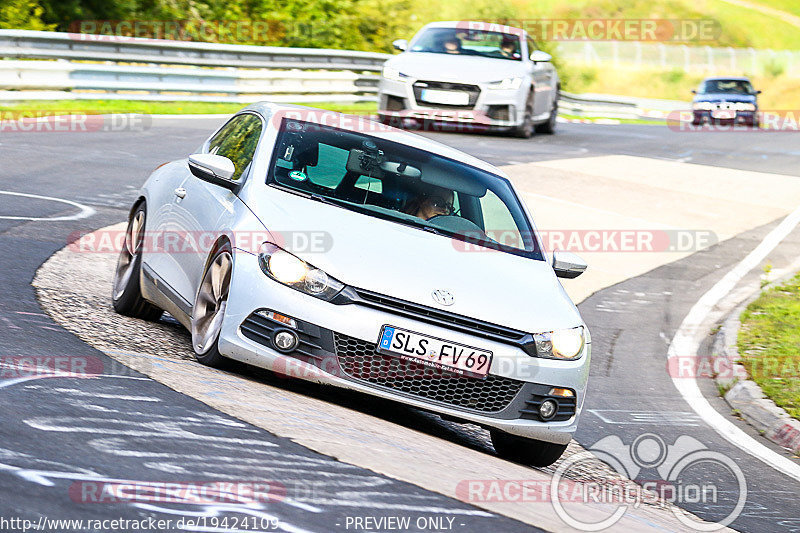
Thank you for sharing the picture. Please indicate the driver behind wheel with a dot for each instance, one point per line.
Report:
(431, 204)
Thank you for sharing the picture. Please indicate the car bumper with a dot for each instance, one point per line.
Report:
(493, 109)
(252, 291)
(735, 116)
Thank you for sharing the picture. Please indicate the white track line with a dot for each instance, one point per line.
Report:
(85, 210)
(684, 345)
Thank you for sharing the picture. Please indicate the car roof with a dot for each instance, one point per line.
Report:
(477, 25)
(728, 78)
(375, 129)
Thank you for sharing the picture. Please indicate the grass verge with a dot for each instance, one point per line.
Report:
(769, 344)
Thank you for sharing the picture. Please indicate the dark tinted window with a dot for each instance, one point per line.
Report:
(396, 182)
(462, 41)
(237, 141)
(727, 86)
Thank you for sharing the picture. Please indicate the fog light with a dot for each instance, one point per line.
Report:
(548, 409)
(285, 340)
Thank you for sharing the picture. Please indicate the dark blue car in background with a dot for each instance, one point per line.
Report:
(728, 100)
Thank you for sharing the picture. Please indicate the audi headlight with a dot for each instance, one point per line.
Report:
(561, 343)
(293, 272)
(704, 106)
(393, 74)
(507, 83)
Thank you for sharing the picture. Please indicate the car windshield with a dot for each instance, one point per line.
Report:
(726, 86)
(402, 184)
(459, 41)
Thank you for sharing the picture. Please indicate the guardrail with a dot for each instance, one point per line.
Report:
(85, 66)
(624, 107)
(82, 66)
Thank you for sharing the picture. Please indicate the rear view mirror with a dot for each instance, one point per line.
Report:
(539, 56)
(400, 44)
(694, 91)
(568, 265)
(214, 169)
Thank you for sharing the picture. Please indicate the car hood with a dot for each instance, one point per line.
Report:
(409, 263)
(725, 97)
(455, 68)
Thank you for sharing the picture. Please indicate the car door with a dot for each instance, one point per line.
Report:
(203, 211)
(542, 73)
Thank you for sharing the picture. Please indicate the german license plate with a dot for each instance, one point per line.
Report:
(723, 114)
(435, 352)
(434, 96)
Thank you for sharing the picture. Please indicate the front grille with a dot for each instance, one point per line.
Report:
(473, 90)
(566, 406)
(359, 360)
(446, 319)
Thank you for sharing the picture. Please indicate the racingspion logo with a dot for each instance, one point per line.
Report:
(685, 472)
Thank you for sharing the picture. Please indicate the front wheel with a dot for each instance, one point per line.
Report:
(525, 129)
(549, 127)
(127, 292)
(209, 308)
(529, 452)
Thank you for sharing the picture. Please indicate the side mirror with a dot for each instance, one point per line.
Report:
(400, 44)
(214, 169)
(568, 265)
(538, 56)
(758, 92)
(694, 91)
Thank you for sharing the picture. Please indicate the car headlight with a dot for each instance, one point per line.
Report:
(293, 272)
(393, 74)
(704, 106)
(507, 83)
(561, 343)
(745, 106)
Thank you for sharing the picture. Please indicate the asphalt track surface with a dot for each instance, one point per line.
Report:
(123, 426)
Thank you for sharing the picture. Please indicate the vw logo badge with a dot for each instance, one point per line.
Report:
(442, 297)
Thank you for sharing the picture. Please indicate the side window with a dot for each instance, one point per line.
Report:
(237, 141)
(499, 223)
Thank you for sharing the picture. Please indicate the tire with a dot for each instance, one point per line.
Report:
(126, 294)
(549, 127)
(525, 129)
(209, 308)
(528, 452)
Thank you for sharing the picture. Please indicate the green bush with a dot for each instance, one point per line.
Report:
(22, 15)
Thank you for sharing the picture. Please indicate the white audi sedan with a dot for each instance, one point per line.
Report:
(471, 75)
(338, 250)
